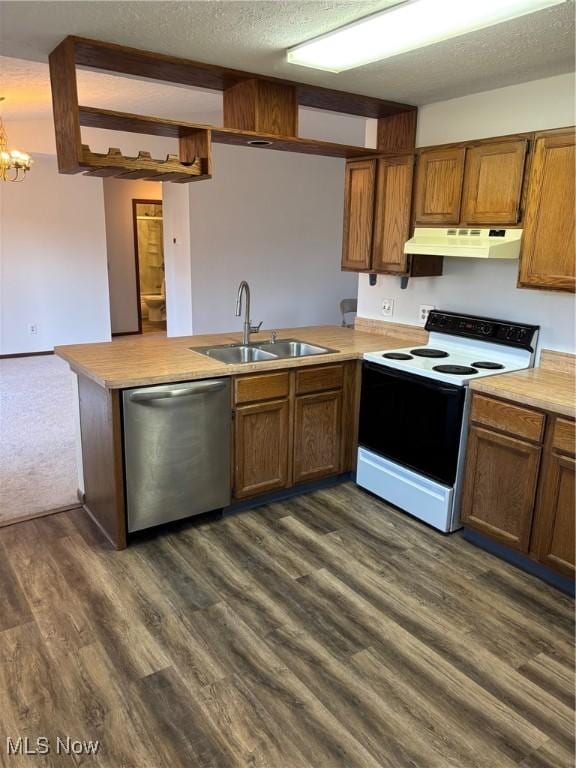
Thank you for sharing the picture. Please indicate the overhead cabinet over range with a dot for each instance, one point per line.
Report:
(510, 182)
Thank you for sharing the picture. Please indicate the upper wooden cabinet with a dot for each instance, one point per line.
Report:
(547, 256)
(493, 183)
(478, 184)
(377, 208)
(392, 214)
(359, 190)
(439, 185)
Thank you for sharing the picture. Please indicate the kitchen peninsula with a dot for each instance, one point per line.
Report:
(295, 419)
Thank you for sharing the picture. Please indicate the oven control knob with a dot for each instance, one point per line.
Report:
(486, 329)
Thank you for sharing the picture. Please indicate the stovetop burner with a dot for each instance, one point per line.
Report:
(428, 352)
(397, 356)
(488, 364)
(456, 369)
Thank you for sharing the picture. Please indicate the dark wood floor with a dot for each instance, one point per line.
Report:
(323, 632)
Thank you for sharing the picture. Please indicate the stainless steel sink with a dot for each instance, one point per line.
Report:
(267, 350)
(237, 353)
(293, 348)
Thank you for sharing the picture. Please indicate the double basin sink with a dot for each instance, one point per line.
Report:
(262, 352)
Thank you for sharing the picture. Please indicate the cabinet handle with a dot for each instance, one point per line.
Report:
(200, 389)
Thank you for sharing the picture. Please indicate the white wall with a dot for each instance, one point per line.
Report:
(486, 288)
(177, 260)
(122, 278)
(52, 260)
(275, 220)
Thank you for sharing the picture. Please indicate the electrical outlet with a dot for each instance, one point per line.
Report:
(33, 329)
(387, 307)
(424, 311)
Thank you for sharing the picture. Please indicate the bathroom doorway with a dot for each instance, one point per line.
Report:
(149, 254)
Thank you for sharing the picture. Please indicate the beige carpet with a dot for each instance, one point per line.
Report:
(37, 445)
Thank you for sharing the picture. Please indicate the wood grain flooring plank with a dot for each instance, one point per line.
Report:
(550, 755)
(543, 672)
(358, 707)
(129, 643)
(251, 733)
(324, 631)
(315, 732)
(186, 732)
(301, 608)
(465, 700)
(14, 607)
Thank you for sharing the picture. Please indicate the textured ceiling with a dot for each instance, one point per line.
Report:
(254, 36)
(26, 87)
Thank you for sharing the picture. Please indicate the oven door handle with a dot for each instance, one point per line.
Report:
(383, 370)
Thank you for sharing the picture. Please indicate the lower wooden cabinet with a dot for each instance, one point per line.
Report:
(554, 531)
(516, 490)
(500, 487)
(261, 448)
(317, 436)
(298, 436)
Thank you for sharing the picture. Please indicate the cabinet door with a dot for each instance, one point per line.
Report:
(317, 436)
(261, 448)
(439, 185)
(500, 486)
(392, 214)
(547, 255)
(554, 534)
(358, 215)
(493, 183)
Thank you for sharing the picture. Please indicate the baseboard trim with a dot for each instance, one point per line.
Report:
(27, 354)
(285, 493)
(36, 515)
(126, 333)
(520, 560)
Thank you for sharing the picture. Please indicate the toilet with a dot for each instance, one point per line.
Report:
(156, 305)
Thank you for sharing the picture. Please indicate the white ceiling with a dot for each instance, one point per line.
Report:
(26, 87)
(253, 36)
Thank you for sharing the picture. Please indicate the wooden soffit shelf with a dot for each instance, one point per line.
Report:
(91, 117)
(158, 66)
(259, 111)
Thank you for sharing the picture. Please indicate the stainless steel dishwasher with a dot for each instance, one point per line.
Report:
(176, 450)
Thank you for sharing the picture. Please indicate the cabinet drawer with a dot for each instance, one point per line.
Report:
(318, 379)
(564, 436)
(266, 386)
(508, 418)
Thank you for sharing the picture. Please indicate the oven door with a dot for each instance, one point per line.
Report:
(411, 420)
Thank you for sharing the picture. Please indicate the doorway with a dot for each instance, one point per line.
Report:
(150, 269)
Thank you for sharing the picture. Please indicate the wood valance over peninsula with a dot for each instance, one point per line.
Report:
(258, 111)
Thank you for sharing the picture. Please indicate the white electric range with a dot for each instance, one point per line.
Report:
(414, 410)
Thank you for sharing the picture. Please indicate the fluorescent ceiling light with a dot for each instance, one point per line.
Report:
(412, 24)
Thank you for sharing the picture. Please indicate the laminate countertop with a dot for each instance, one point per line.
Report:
(538, 387)
(132, 361)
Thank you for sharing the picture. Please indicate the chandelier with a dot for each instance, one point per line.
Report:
(13, 164)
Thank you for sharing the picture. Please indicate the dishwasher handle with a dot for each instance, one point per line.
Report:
(196, 389)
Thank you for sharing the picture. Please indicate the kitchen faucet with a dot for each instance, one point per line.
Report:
(248, 329)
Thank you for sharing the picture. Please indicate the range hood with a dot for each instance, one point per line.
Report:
(465, 243)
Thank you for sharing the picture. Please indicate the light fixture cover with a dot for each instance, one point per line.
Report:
(405, 27)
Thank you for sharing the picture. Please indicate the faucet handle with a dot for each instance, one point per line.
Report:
(273, 336)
